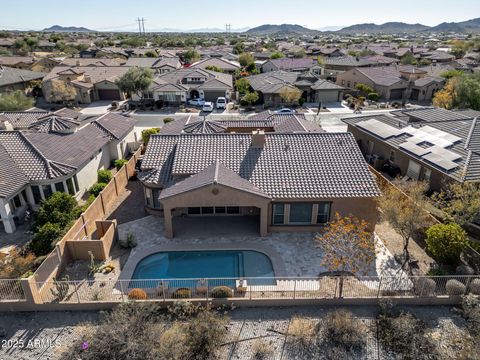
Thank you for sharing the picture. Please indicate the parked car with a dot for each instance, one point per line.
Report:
(285, 111)
(196, 102)
(208, 106)
(221, 103)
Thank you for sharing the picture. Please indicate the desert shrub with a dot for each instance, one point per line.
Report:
(119, 163)
(475, 286)
(262, 350)
(97, 188)
(446, 242)
(202, 290)
(425, 287)
(241, 290)
(16, 265)
(104, 176)
(182, 293)
(168, 120)
(45, 239)
(405, 336)
(342, 333)
(373, 96)
(301, 335)
(183, 310)
(455, 287)
(129, 242)
(172, 343)
(147, 133)
(471, 314)
(137, 294)
(220, 292)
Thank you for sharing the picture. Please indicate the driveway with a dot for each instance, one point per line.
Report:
(96, 108)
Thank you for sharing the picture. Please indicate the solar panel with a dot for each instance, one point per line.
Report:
(414, 148)
(379, 128)
(440, 161)
(446, 154)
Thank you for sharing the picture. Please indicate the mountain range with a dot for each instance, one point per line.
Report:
(58, 28)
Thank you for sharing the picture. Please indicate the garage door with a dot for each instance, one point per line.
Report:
(213, 95)
(396, 94)
(108, 94)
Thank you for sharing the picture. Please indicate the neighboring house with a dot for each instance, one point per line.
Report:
(71, 62)
(313, 89)
(266, 121)
(92, 83)
(12, 79)
(176, 87)
(17, 62)
(429, 144)
(335, 65)
(324, 51)
(57, 154)
(438, 56)
(159, 65)
(399, 83)
(289, 64)
(226, 66)
(22, 120)
(289, 182)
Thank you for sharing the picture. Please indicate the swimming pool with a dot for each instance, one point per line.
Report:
(204, 264)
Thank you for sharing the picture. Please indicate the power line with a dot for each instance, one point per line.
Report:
(139, 26)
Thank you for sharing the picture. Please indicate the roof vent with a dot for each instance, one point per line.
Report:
(258, 138)
(286, 147)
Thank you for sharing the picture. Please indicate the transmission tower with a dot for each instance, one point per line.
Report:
(143, 25)
(139, 26)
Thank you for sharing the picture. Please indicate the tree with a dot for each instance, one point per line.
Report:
(467, 91)
(347, 245)
(15, 101)
(408, 59)
(451, 74)
(32, 42)
(238, 48)
(461, 202)
(59, 209)
(403, 206)
(246, 59)
(250, 98)
(298, 54)
(445, 98)
(151, 54)
(276, 55)
(190, 56)
(446, 242)
(136, 81)
(147, 132)
(364, 89)
(243, 85)
(62, 92)
(290, 95)
(45, 238)
(214, 68)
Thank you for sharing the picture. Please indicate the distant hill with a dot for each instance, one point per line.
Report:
(280, 29)
(387, 28)
(58, 28)
(400, 27)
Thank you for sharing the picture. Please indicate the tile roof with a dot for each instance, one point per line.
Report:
(178, 78)
(116, 125)
(154, 63)
(214, 174)
(54, 123)
(13, 60)
(292, 63)
(96, 73)
(350, 61)
(223, 64)
(11, 76)
(12, 177)
(23, 119)
(299, 165)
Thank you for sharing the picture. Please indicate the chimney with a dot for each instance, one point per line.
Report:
(78, 63)
(87, 79)
(258, 138)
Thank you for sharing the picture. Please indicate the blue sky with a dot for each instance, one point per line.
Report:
(189, 14)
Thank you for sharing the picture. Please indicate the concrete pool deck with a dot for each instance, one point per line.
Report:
(292, 254)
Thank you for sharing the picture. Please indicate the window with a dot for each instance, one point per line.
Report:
(75, 182)
(71, 189)
(278, 214)
(194, 211)
(17, 202)
(47, 190)
(207, 210)
(323, 214)
(37, 197)
(413, 171)
(427, 173)
(233, 210)
(392, 156)
(220, 210)
(343, 82)
(60, 187)
(156, 202)
(300, 213)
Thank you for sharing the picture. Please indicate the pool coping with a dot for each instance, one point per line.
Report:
(277, 261)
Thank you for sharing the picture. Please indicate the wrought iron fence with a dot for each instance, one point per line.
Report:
(11, 290)
(325, 287)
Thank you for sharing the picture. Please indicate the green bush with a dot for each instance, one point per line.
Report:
(104, 176)
(15, 101)
(182, 293)
(147, 133)
(96, 189)
(301, 101)
(45, 238)
(373, 96)
(167, 120)
(129, 242)
(221, 292)
(446, 242)
(59, 209)
(119, 163)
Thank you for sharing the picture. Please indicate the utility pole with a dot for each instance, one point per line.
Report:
(228, 28)
(143, 25)
(139, 26)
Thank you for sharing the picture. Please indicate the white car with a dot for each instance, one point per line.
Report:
(221, 103)
(208, 106)
(285, 111)
(196, 102)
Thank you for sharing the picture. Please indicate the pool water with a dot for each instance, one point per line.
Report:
(204, 264)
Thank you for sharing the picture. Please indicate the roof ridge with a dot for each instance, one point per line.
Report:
(96, 123)
(39, 153)
(215, 176)
(470, 133)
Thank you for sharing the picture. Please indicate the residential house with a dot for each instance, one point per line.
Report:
(429, 144)
(91, 83)
(17, 62)
(227, 66)
(176, 87)
(289, 64)
(57, 154)
(288, 181)
(12, 79)
(159, 65)
(23, 120)
(392, 83)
